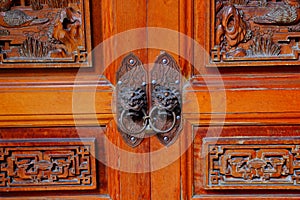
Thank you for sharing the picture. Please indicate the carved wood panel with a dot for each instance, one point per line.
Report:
(232, 163)
(44, 33)
(38, 165)
(253, 32)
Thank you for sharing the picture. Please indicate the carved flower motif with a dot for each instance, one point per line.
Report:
(232, 26)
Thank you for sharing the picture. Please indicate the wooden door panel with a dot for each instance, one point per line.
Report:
(166, 181)
(132, 172)
(61, 100)
(251, 33)
(243, 99)
(40, 34)
(265, 127)
(47, 164)
(250, 110)
(270, 162)
(221, 175)
(54, 161)
(54, 101)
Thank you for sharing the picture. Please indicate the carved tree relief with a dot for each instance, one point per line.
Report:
(247, 162)
(44, 33)
(254, 32)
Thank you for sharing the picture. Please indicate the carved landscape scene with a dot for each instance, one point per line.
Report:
(44, 33)
(264, 32)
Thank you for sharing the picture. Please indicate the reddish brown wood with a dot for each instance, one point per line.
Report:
(270, 162)
(125, 16)
(260, 101)
(165, 182)
(247, 99)
(41, 34)
(47, 164)
(253, 136)
(60, 139)
(35, 101)
(253, 33)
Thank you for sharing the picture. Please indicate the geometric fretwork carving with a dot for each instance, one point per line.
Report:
(253, 33)
(45, 33)
(44, 164)
(234, 163)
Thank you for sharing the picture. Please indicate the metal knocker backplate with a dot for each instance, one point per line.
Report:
(161, 115)
(132, 101)
(166, 101)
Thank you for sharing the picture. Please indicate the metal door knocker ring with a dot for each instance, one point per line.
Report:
(157, 130)
(127, 113)
(148, 120)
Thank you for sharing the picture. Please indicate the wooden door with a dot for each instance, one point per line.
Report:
(60, 135)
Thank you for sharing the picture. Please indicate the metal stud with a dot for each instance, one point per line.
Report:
(164, 61)
(119, 82)
(131, 61)
(144, 84)
(153, 82)
(177, 82)
(178, 117)
(166, 139)
(132, 139)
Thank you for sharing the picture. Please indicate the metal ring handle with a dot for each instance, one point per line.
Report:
(129, 132)
(158, 130)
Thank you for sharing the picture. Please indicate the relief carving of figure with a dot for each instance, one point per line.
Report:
(67, 30)
(5, 5)
(44, 31)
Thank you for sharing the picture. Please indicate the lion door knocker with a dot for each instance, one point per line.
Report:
(161, 115)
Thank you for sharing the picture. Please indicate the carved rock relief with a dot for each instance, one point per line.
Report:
(255, 30)
(43, 31)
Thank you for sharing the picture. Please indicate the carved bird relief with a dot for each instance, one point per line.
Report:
(17, 19)
(284, 14)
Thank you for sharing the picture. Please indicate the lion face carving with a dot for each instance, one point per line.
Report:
(133, 99)
(165, 98)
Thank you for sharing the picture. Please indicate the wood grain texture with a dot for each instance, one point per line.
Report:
(48, 101)
(165, 182)
(131, 184)
(255, 100)
(252, 99)
(186, 44)
(116, 26)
